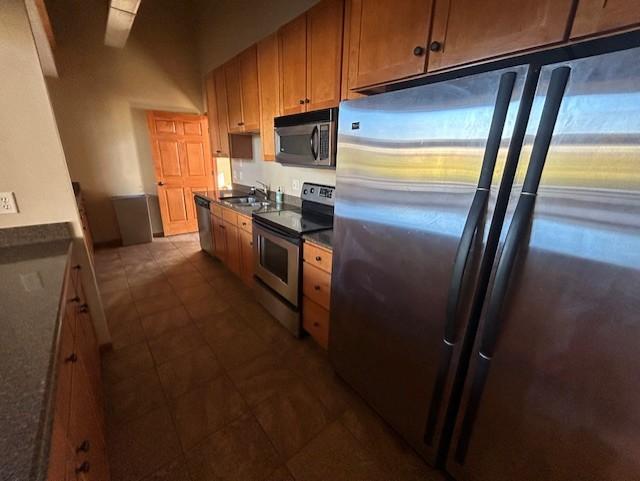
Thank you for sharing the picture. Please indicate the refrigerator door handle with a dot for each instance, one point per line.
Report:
(516, 233)
(471, 226)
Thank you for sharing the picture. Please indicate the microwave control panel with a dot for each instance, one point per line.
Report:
(324, 141)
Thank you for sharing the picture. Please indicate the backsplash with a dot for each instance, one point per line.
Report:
(247, 172)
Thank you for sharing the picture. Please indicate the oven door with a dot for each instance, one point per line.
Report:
(277, 262)
(297, 144)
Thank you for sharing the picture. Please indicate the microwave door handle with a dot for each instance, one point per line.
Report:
(314, 149)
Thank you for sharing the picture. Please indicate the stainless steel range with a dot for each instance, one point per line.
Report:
(277, 244)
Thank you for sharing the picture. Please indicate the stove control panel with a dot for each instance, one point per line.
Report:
(322, 194)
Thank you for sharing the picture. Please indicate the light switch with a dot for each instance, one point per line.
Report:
(8, 203)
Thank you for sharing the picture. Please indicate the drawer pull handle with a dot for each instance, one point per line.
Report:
(84, 447)
(73, 357)
(84, 467)
(244, 223)
(317, 288)
(84, 308)
(318, 258)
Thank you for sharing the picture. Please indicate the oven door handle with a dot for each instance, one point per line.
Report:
(265, 231)
(314, 142)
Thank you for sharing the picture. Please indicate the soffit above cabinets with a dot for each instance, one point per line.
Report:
(122, 13)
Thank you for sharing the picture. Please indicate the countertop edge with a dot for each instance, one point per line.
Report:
(40, 464)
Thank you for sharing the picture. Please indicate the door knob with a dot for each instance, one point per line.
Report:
(418, 51)
(435, 46)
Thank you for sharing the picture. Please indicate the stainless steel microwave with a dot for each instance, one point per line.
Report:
(307, 139)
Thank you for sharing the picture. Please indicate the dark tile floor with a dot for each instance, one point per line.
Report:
(204, 385)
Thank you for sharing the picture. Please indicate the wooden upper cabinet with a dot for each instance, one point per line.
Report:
(293, 65)
(222, 125)
(324, 54)
(268, 83)
(387, 39)
(598, 16)
(234, 95)
(468, 30)
(212, 114)
(248, 64)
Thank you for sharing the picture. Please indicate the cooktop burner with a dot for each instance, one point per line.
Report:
(316, 213)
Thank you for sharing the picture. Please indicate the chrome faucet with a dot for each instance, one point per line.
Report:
(266, 189)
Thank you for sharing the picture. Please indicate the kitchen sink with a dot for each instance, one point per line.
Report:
(247, 201)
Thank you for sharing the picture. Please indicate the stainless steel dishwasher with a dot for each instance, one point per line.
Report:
(204, 224)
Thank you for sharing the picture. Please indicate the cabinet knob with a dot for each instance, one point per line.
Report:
(435, 46)
(317, 288)
(73, 357)
(84, 467)
(218, 151)
(418, 51)
(84, 447)
(74, 299)
(77, 267)
(318, 258)
(301, 101)
(306, 101)
(240, 124)
(160, 184)
(84, 308)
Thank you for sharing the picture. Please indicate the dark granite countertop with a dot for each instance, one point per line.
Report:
(323, 238)
(31, 280)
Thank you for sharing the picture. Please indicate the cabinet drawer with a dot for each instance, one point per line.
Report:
(215, 210)
(316, 285)
(230, 216)
(315, 320)
(244, 223)
(317, 257)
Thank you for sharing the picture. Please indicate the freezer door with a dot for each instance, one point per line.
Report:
(553, 391)
(416, 182)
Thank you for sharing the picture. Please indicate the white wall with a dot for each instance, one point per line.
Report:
(102, 93)
(32, 162)
(247, 172)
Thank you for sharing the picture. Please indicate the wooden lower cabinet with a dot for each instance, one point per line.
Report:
(233, 247)
(246, 255)
(316, 290)
(78, 449)
(233, 241)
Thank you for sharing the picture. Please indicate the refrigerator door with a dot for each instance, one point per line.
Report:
(416, 180)
(554, 387)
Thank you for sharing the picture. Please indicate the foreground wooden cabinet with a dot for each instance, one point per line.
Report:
(598, 16)
(316, 290)
(467, 30)
(78, 449)
(311, 59)
(388, 40)
(269, 85)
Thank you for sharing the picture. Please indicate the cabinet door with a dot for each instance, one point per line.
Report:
(233, 248)
(87, 348)
(388, 39)
(596, 16)
(293, 65)
(324, 54)
(220, 85)
(268, 81)
(248, 64)
(220, 238)
(212, 114)
(246, 254)
(467, 30)
(234, 95)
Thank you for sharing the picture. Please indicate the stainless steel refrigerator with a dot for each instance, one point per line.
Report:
(486, 275)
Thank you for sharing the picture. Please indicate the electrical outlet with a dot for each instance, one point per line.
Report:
(8, 203)
(295, 185)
